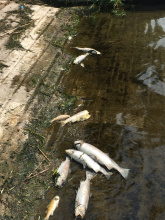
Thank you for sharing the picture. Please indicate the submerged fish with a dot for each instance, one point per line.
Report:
(81, 116)
(85, 160)
(100, 157)
(80, 58)
(63, 172)
(52, 206)
(82, 197)
(88, 50)
(59, 118)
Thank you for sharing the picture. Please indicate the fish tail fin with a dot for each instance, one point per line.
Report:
(90, 175)
(108, 175)
(124, 172)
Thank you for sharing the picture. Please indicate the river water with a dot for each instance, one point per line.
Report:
(124, 91)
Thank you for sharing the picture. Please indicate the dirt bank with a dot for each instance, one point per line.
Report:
(33, 61)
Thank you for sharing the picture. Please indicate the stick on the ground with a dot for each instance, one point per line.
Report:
(43, 154)
(36, 174)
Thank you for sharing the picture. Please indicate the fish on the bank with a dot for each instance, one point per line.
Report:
(59, 118)
(100, 157)
(52, 206)
(80, 58)
(85, 160)
(81, 116)
(62, 172)
(88, 50)
(82, 197)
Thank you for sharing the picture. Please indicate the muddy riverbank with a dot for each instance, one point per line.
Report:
(31, 95)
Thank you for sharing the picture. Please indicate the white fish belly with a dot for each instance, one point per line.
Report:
(83, 193)
(85, 160)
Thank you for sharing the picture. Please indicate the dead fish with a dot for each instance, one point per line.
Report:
(81, 116)
(100, 157)
(88, 50)
(71, 37)
(52, 206)
(85, 160)
(80, 58)
(63, 172)
(83, 193)
(59, 118)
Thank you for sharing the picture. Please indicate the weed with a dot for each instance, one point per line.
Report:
(58, 42)
(105, 4)
(69, 102)
(119, 12)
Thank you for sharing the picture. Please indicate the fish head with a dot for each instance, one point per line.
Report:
(70, 151)
(57, 198)
(78, 143)
(59, 182)
(80, 211)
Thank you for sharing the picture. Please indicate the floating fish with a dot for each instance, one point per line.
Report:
(100, 157)
(81, 116)
(62, 172)
(52, 206)
(85, 160)
(59, 118)
(80, 58)
(83, 193)
(88, 50)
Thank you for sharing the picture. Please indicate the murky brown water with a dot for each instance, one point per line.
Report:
(124, 91)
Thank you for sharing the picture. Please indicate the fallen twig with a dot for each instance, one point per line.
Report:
(11, 188)
(36, 174)
(43, 154)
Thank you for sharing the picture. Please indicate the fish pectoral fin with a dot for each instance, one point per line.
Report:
(84, 165)
(82, 65)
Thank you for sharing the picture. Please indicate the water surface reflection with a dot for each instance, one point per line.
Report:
(124, 91)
